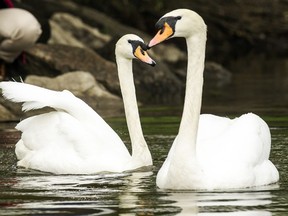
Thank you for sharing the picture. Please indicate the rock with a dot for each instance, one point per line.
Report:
(54, 59)
(169, 54)
(214, 74)
(9, 110)
(217, 74)
(85, 28)
(70, 30)
(78, 29)
(233, 26)
(5, 113)
(81, 84)
(92, 17)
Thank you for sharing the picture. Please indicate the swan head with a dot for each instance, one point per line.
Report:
(131, 46)
(178, 23)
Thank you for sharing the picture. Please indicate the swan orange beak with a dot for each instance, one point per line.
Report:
(143, 56)
(162, 34)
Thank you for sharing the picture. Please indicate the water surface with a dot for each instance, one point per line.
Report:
(29, 192)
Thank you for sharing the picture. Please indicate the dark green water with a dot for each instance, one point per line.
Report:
(29, 192)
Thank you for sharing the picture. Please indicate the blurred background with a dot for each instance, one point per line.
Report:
(246, 55)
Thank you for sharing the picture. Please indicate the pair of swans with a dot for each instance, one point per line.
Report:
(209, 152)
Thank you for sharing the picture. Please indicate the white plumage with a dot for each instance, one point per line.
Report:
(74, 139)
(210, 152)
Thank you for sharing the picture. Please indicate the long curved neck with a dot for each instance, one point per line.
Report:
(193, 95)
(127, 86)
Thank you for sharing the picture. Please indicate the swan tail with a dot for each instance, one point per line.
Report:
(34, 97)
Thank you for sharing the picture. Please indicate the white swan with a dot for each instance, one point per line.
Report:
(224, 153)
(74, 139)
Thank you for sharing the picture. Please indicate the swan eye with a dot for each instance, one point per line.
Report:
(136, 44)
(162, 30)
(167, 24)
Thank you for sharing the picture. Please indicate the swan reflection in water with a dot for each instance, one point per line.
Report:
(222, 203)
(126, 194)
(89, 194)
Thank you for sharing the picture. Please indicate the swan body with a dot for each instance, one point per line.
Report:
(74, 139)
(210, 152)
